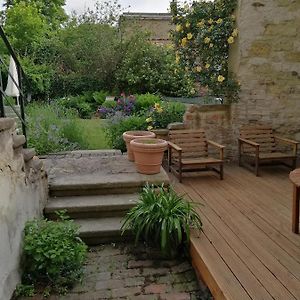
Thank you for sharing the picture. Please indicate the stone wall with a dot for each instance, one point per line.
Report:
(23, 193)
(215, 120)
(266, 60)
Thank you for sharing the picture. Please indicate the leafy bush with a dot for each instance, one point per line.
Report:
(53, 253)
(52, 129)
(100, 97)
(118, 124)
(161, 115)
(162, 217)
(146, 101)
(109, 104)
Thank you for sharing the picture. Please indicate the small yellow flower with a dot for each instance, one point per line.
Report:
(207, 66)
(198, 69)
(221, 78)
(211, 45)
(149, 120)
(177, 59)
(178, 28)
(149, 128)
(206, 40)
(184, 42)
(211, 28)
(230, 40)
(187, 24)
(189, 36)
(159, 110)
(201, 23)
(210, 21)
(235, 32)
(156, 106)
(219, 21)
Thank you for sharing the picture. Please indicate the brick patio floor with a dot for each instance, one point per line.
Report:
(125, 271)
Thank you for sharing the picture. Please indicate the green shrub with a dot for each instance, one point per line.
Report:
(109, 104)
(52, 129)
(119, 124)
(100, 97)
(162, 217)
(146, 101)
(162, 115)
(53, 254)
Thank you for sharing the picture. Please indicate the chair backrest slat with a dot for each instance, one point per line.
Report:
(261, 134)
(192, 142)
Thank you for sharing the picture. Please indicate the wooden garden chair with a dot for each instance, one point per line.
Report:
(258, 144)
(188, 152)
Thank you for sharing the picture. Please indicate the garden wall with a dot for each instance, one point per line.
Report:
(23, 193)
(266, 60)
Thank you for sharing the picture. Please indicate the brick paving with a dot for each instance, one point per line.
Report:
(125, 271)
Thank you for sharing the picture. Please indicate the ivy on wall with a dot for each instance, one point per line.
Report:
(203, 34)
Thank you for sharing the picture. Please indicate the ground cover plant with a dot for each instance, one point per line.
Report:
(53, 256)
(163, 218)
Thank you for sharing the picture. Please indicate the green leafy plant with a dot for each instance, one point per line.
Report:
(53, 254)
(162, 217)
(203, 34)
(146, 101)
(25, 290)
(163, 114)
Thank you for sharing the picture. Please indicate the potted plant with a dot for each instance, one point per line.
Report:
(163, 218)
(148, 154)
(128, 136)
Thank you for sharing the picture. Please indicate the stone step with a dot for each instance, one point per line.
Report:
(91, 206)
(95, 231)
(28, 154)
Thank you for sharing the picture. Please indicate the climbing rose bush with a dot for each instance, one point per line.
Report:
(203, 34)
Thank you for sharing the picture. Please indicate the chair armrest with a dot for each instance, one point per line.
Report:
(256, 145)
(215, 144)
(286, 141)
(174, 146)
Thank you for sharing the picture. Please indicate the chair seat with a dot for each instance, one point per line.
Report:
(273, 155)
(201, 161)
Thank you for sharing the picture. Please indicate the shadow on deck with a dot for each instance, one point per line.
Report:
(247, 249)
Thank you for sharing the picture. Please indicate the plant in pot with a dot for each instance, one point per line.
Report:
(148, 154)
(128, 136)
(163, 218)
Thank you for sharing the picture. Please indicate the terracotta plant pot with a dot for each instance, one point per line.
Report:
(128, 136)
(148, 154)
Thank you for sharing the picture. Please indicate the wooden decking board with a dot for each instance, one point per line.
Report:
(281, 265)
(247, 222)
(261, 275)
(265, 209)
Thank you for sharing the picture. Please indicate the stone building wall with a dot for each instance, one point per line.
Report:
(157, 24)
(23, 193)
(266, 60)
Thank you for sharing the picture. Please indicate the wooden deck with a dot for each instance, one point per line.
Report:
(247, 249)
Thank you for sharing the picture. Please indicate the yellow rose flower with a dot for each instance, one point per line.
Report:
(210, 21)
(149, 128)
(178, 28)
(159, 110)
(230, 40)
(198, 69)
(148, 120)
(201, 23)
(207, 66)
(187, 24)
(156, 106)
(235, 32)
(221, 78)
(206, 40)
(211, 45)
(219, 21)
(184, 42)
(189, 36)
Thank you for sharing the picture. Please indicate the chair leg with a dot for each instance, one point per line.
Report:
(256, 167)
(221, 172)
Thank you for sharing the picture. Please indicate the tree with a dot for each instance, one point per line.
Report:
(25, 27)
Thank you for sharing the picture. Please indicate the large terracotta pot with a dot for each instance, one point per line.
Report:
(148, 154)
(128, 136)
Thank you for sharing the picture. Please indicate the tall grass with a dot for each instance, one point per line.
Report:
(52, 128)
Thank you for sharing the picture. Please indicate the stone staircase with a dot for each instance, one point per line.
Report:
(96, 189)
